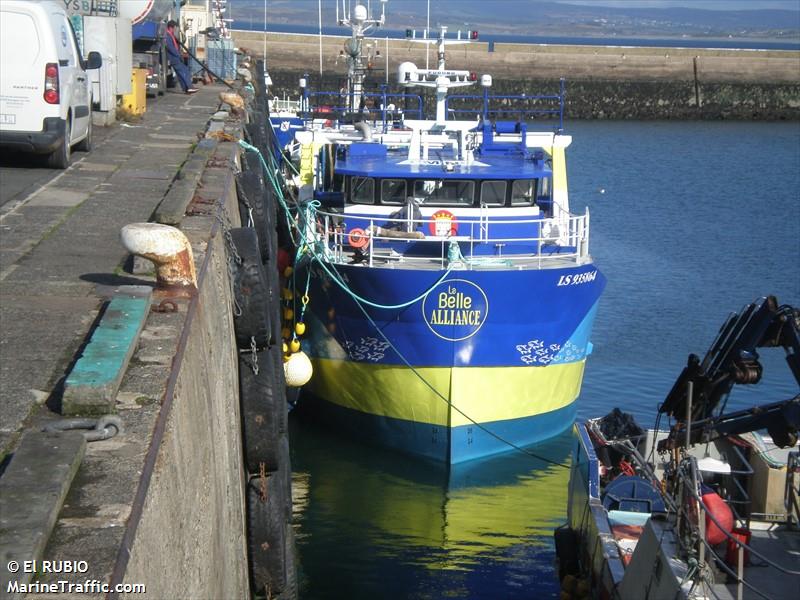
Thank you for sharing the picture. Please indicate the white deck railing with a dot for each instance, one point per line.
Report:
(570, 246)
(284, 105)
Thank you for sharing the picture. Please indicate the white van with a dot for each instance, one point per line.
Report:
(45, 92)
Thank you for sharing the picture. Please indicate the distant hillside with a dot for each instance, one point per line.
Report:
(546, 17)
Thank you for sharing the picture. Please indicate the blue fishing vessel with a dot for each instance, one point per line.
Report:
(449, 293)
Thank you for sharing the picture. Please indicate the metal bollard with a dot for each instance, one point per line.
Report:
(170, 251)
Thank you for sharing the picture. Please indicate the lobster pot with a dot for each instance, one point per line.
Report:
(221, 58)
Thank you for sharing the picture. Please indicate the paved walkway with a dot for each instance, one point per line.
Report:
(60, 250)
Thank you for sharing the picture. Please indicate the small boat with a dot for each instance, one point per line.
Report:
(449, 292)
(708, 509)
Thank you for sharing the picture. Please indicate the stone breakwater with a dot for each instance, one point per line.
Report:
(603, 82)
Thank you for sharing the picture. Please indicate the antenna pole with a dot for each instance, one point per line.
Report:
(427, 29)
(265, 34)
(319, 7)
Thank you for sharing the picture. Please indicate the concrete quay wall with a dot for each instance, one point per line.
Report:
(602, 81)
(161, 504)
(190, 541)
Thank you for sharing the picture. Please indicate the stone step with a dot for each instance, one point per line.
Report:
(32, 492)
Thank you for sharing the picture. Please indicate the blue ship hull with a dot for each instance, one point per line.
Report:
(486, 360)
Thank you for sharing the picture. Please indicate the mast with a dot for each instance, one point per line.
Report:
(360, 23)
(440, 78)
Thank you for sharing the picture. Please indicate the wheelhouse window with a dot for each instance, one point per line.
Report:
(544, 188)
(523, 192)
(493, 193)
(362, 190)
(393, 191)
(444, 192)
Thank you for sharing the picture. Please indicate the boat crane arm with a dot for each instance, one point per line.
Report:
(733, 359)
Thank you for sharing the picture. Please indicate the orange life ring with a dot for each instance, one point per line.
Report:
(357, 238)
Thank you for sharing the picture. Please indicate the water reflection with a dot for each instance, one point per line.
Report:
(374, 524)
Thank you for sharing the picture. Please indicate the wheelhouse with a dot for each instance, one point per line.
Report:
(439, 192)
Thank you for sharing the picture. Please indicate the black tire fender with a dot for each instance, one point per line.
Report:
(249, 189)
(251, 291)
(566, 541)
(266, 535)
(262, 434)
(257, 133)
(290, 590)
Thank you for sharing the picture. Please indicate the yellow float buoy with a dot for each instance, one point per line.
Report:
(300, 328)
(294, 345)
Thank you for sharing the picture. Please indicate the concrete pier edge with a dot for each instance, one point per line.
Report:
(169, 490)
(123, 556)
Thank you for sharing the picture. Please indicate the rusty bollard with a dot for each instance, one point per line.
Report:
(170, 251)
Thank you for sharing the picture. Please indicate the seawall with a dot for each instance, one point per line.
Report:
(193, 512)
(609, 82)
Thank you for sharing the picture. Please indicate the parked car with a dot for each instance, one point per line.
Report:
(45, 92)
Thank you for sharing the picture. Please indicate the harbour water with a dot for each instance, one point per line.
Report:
(659, 42)
(689, 222)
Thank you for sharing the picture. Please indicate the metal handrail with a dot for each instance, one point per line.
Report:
(486, 109)
(343, 107)
(792, 489)
(689, 483)
(336, 239)
(285, 105)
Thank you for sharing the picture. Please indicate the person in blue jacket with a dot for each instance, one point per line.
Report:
(176, 59)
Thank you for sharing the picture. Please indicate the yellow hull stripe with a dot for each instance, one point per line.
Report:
(486, 394)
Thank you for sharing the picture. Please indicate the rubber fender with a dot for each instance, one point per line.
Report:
(251, 201)
(251, 163)
(567, 541)
(251, 291)
(290, 590)
(722, 512)
(266, 535)
(257, 131)
(279, 389)
(260, 412)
